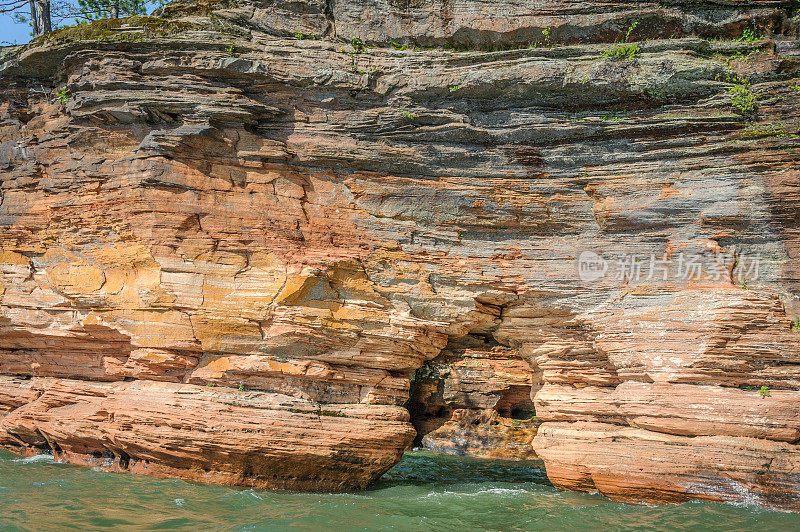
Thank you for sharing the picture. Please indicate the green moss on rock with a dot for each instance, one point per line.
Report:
(133, 28)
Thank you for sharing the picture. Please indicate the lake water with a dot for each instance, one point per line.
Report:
(424, 492)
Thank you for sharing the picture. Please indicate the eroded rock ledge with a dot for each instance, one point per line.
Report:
(243, 227)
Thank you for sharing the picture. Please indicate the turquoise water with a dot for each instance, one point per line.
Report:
(424, 492)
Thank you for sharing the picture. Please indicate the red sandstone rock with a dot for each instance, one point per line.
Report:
(627, 463)
(314, 222)
(711, 410)
(217, 435)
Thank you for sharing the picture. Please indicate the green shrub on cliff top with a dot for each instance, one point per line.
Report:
(742, 98)
(749, 35)
(630, 30)
(62, 95)
(621, 51)
(545, 39)
(358, 46)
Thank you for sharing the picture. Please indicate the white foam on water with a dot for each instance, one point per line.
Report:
(493, 491)
(34, 459)
(730, 491)
(180, 502)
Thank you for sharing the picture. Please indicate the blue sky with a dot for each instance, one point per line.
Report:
(12, 32)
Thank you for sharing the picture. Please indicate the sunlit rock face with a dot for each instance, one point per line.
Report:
(240, 230)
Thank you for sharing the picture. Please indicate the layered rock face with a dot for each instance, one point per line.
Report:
(233, 233)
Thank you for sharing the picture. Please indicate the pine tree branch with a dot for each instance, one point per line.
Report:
(12, 6)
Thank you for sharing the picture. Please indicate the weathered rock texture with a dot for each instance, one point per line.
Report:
(475, 399)
(226, 250)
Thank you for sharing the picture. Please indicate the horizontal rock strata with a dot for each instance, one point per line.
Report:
(220, 435)
(230, 234)
(642, 465)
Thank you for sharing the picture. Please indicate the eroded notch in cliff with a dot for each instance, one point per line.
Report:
(515, 402)
(475, 399)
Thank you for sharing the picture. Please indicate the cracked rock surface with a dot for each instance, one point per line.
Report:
(245, 227)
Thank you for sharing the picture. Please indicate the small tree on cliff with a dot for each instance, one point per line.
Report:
(99, 9)
(37, 12)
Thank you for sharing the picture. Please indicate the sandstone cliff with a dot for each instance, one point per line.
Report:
(231, 234)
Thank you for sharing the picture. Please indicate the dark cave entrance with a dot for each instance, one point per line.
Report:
(516, 403)
(455, 411)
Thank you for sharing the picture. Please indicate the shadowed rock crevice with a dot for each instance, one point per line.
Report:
(474, 399)
(516, 403)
